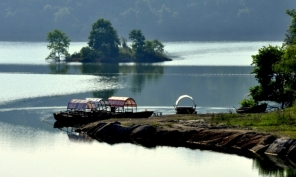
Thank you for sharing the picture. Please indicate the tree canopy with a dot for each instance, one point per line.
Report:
(58, 44)
(138, 40)
(265, 74)
(103, 38)
(145, 49)
(291, 32)
(275, 70)
(105, 46)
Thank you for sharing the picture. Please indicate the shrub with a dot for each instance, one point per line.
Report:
(88, 54)
(248, 103)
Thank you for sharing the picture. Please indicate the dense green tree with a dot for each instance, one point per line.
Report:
(143, 48)
(154, 47)
(291, 32)
(276, 82)
(138, 40)
(288, 63)
(158, 46)
(103, 38)
(58, 44)
(149, 47)
(88, 54)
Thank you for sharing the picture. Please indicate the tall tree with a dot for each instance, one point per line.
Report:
(58, 44)
(291, 32)
(104, 38)
(158, 46)
(276, 81)
(138, 40)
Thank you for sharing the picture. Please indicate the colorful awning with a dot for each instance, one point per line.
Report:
(78, 104)
(122, 102)
(99, 101)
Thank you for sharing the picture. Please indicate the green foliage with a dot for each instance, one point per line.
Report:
(154, 47)
(58, 44)
(75, 55)
(248, 103)
(104, 45)
(275, 84)
(138, 40)
(158, 46)
(275, 68)
(87, 54)
(263, 63)
(103, 38)
(125, 54)
(145, 49)
(291, 32)
(288, 62)
(281, 122)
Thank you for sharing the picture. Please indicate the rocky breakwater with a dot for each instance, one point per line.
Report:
(197, 134)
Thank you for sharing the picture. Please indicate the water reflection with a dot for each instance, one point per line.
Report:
(59, 68)
(266, 165)
(100, 68)
(140, 74)
(40, 136)
(75, 136)
(275, 166)
(150, 85)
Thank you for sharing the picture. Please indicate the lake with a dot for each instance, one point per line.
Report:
(216, 74)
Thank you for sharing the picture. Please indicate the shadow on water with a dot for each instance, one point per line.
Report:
(265, 164)
(128, 77)
(75, 136)
(59, 68)
(275, 166)
(140, 74)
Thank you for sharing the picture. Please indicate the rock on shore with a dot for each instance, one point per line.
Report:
(219, 139)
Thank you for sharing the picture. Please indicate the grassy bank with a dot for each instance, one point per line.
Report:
(279, 123)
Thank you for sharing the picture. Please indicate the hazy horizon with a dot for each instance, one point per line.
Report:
(193, 20)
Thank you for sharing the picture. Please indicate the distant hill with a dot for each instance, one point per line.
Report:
(166, 20)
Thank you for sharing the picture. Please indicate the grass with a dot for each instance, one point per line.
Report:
(279, 123)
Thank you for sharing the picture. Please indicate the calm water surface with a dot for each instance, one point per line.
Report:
(216, 74)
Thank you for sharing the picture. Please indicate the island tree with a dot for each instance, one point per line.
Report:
(105, 46)
(145, 50)
(58, 44)
(138, 40)
(104, 39)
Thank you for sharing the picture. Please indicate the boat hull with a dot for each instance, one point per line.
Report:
(143, 114)
(82, 117)
(185, 110)
(255, 109)
(74, 118)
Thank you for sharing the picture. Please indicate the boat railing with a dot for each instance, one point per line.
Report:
(129, 110)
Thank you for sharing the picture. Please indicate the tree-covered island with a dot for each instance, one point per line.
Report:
(104, 45)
